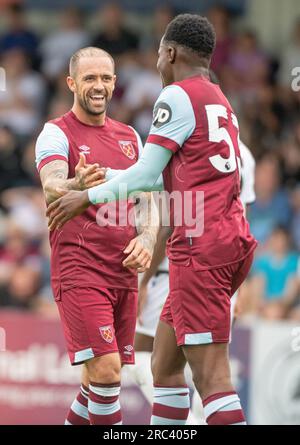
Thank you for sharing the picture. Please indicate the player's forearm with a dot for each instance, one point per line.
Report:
(112, 173)
(142, 176)
(158, 254)
(52, 185)
(147, 219)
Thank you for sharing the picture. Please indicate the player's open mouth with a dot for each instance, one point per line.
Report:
(97, 99)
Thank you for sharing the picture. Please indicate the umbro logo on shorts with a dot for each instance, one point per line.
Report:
(107, 333)
(129, 349)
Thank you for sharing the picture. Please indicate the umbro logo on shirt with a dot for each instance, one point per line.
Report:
(85, 149)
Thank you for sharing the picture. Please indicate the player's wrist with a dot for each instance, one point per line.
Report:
(86, 202)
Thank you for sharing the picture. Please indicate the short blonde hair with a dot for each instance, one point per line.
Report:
(89, 51)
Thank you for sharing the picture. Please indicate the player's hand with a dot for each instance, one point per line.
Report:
(73, 203)
(142, 300)
(88, 175)
(139, 252)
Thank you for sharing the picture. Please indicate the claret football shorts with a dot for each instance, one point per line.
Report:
(98, 322)
(198, 304)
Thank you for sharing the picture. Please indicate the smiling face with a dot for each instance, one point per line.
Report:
(93, 83)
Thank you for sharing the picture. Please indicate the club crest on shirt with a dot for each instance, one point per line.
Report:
(128, 149)
(107, 333)
(85, 149)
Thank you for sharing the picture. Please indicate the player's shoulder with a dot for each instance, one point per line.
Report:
(54, 129)
(119, 126)
(56, 125)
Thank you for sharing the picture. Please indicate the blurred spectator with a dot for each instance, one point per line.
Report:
(18, 35)
(271, 207)
(162, 16)
(266, 117)
(11, 173)
(290, 57)
(16, 250)
(272, 273)
(22, 287)
(57, 47)
(290, 157)
(295, 225)
(141, 94)
(21, 104)
(26, 207)
(114, 37)
(60, 99)
(247, 67)
(220, 18)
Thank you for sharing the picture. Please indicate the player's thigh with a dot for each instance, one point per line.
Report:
(143, 342)
(168, 360)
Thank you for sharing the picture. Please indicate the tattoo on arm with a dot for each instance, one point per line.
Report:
(54, 175)
(147, 218)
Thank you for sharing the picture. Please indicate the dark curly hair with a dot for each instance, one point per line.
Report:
(194, 32)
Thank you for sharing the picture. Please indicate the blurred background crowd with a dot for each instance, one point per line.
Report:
(257, 82)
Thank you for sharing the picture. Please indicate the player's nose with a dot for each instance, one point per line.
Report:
(99, 87)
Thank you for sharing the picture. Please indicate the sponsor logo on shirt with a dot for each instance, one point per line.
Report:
(107, 333)
(85, 149)
(162, 114)
(128, 149)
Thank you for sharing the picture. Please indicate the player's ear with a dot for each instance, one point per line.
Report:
(172, 54)
(71, 84)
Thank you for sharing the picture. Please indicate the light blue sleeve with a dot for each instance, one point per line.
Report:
(51, 142)
(140, 177)
(173, 119)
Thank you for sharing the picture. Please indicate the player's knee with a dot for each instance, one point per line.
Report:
(104, 369)
(210, 382)
(166, 375)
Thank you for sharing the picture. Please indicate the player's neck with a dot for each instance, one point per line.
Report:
(88, 119)
(184, 72)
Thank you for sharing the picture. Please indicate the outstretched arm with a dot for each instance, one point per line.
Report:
(54, 177)
(142, 176)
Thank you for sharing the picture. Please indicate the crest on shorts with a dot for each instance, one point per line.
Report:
(128, 149)
(107, 333)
